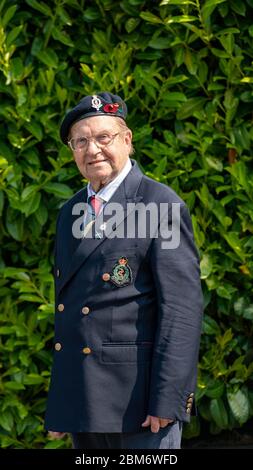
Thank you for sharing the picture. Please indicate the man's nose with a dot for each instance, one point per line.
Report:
(92, 147)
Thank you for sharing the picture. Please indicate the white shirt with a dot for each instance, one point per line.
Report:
(107, 191)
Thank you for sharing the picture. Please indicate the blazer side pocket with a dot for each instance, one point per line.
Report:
(116, 353)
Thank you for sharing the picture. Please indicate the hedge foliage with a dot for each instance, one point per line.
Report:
(185, 70)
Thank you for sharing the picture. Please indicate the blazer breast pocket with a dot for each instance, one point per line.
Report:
(119, 267)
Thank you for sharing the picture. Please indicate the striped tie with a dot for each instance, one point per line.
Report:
(95, 204)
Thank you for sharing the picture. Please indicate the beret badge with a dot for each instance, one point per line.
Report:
(96, 102)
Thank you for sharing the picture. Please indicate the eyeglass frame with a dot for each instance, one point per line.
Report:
(94, 140)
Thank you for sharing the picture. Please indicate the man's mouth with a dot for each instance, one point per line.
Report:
(96, 162)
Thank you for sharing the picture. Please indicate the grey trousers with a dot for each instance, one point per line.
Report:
(166, 438)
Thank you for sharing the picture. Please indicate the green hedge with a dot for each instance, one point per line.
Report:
(185, 70)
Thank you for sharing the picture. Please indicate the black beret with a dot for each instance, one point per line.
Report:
(103, 103)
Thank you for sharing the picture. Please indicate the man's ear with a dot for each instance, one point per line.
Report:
(128, 137)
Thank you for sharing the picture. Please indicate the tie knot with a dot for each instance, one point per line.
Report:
(95, 203)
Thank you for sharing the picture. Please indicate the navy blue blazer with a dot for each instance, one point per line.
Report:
(124, 351)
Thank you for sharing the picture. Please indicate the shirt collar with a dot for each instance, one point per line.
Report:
(107, 191)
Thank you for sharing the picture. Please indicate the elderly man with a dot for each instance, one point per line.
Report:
(128, 308)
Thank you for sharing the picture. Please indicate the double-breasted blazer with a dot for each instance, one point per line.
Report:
(122, 351)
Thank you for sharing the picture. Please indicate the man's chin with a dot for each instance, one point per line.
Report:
(99, 174)
(100, 178)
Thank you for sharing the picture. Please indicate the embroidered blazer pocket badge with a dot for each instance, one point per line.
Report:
(121, 273)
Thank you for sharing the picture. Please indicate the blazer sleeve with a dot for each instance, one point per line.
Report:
(176, 276)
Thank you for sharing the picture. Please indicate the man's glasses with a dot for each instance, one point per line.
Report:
(101, 140)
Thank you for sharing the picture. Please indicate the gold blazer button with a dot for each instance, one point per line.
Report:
(86, 350)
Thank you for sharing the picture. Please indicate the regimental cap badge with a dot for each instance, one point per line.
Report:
(96, 102)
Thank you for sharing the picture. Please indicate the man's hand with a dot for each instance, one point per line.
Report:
(56, 435)
(156, 423)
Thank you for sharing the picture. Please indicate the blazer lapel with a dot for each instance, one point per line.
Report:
(125, 193)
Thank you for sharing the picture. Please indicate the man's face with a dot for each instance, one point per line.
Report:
(101, 165)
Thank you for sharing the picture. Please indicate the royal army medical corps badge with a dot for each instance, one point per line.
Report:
(121, 273)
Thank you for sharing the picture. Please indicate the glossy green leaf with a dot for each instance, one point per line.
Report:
(248, 312)
(240, 305)
(31, 205)
(215, 389)
(238, 7)
(150, 17)
(131, 24)
(33, 379)
(6, 420)
(180, 19)
(210, 326)
(41, 213)
(15, 225)
(159, 43)
(176, 2)
(58, 189)
(6, 330)
(35, 129)
(30, 298)
(24, 358)
(206, 266)
(208, 8)
(62, 36)
(55, 444)
(10, 12)
(40, 6)
(13, 386)
(219, 413)
(48, 57)
(190, 106)
(12, 35)
(233, 240)
(239, 404)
